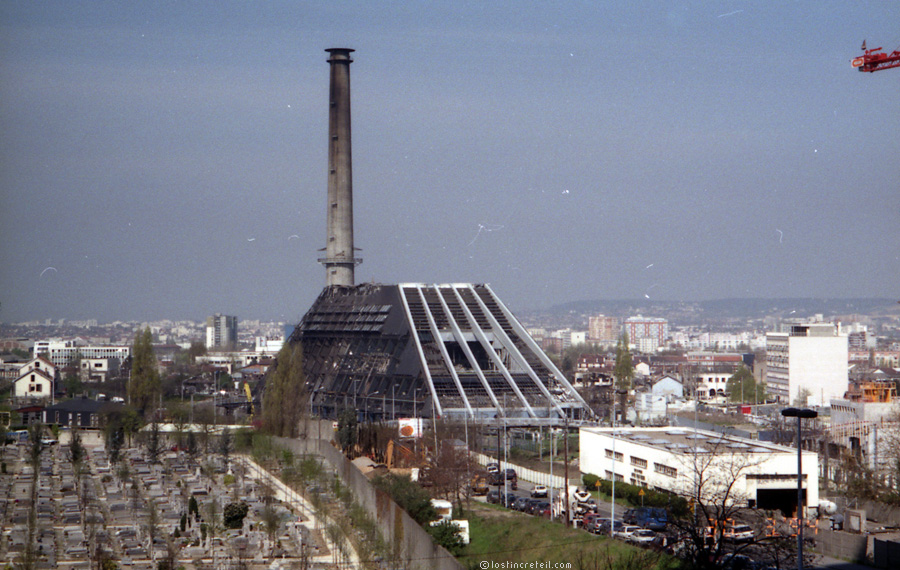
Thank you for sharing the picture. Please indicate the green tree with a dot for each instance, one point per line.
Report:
(72, 382)
(76, 450)
(347, 432)
(197, 349)
(234, 514)
(145, 387)
(572, 354)
(285, 393)
(226, 446)
(624, 368)
(192, 447)
(154, 443)
(742, 387)
(802, 399)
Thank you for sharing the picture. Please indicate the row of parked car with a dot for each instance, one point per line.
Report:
(538, 506)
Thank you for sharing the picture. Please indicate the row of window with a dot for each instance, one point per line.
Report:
(642, 464)
(665, 470)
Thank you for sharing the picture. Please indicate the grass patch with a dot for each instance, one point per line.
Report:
(501, 535)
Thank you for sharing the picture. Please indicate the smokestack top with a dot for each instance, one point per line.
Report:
(339, 257)
(340, 54)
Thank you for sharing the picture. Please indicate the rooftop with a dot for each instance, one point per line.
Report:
(688, 440)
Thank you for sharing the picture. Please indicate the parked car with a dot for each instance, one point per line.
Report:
(520, 504)
(739, 533)
(508, 499)
(590, 522)
(497, 479)
(530, 503)
(737, 562)
(626, 531)
(493, 496)
(492, 467)
(539, 491)
(542, 509)
(603, 526)
(642, 536)
(653, 518)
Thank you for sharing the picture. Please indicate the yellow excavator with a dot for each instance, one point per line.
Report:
(249, 399)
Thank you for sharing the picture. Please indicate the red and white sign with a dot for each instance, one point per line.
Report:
(410, 427)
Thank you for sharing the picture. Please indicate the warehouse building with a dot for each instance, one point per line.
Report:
(726, 468)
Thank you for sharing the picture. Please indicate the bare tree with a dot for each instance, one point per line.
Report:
(449, 472)
(717, 503)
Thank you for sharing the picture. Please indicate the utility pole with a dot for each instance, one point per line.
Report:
(568, 517)
(612, 514)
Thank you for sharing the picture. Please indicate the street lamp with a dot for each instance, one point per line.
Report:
(800, 414)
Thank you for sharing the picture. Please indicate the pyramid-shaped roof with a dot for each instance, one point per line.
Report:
(428, 350)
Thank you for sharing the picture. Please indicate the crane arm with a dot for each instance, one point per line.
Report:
(875, 60)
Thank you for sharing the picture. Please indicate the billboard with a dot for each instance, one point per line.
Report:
(410, 427)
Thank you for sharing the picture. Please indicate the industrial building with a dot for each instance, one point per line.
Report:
(414, 349)
(756, 474)
(421, 350)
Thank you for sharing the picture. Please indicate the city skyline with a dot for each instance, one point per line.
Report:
(169, 160)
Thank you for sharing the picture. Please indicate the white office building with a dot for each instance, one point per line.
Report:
(679, 460)
(62, 352)
(809, 360)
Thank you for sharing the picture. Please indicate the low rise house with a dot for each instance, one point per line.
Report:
(668, 387)
(36, 381)
(78, 412)
(98, 369)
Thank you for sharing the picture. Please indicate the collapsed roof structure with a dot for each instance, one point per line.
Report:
(415, 350)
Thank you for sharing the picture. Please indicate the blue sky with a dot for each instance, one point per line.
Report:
(168, 159)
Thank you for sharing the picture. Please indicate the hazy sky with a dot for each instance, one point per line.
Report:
(168, 159)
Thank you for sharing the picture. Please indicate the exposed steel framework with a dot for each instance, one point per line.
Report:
(875, 60)
(419, 350)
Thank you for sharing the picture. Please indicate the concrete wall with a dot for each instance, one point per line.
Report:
(842, 545)
(881, 512)
(411, 545)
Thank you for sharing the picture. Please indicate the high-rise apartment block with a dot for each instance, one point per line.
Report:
(221, 332)
(604, 329)
(808, 361)
(646, 332)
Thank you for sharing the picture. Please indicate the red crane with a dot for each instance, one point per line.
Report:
(874, 60)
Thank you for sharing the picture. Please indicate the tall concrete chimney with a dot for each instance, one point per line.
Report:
(339, 260)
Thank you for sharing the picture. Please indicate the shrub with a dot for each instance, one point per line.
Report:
(632, 494)
(408, 495)
(447, 535)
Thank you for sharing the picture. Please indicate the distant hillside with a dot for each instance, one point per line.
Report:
(723, 310)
